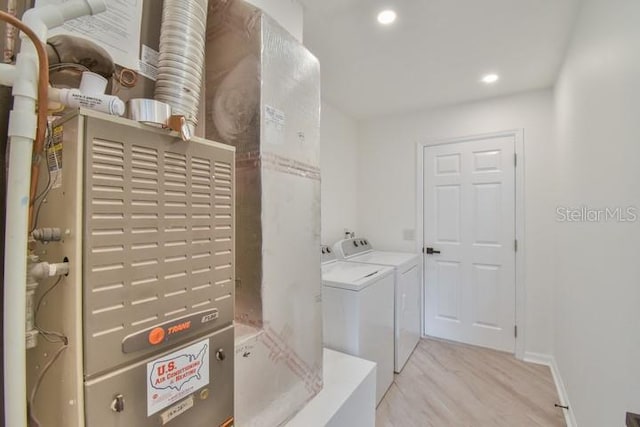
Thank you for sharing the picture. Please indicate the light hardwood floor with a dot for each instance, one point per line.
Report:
(447, 384)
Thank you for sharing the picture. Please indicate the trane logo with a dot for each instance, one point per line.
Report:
(179, 327)
(166, 332)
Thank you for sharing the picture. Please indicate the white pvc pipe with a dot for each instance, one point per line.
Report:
(22, 130)
(74, 98)
(15, 388)
(41, 19)
(15, 261)
(7, 74)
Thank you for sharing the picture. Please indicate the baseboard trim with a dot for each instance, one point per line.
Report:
(550, 361)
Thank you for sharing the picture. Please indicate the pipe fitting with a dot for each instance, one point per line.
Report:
(89, 95)
(97, 6)
(43, 270)
(7, 74)
(26, 82)
(75, 99)
(49, 234)
(22, 124)
(36, 20)
(41, 19)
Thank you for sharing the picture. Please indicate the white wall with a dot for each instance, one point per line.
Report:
(597, 339)
(287, 13)
(387, 184)
(339, 165)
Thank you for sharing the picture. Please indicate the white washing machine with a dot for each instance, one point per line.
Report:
(357, 313)
(408, 295)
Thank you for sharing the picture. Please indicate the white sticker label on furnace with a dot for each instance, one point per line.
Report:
(275, 122)
(149, 62)
(176, 375)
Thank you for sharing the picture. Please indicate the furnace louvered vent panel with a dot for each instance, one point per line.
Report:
(158, 239)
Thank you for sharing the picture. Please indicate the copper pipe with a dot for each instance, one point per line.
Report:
(43, 99)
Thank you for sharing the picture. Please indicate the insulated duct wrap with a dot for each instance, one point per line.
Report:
(263, 97)
(181, 61)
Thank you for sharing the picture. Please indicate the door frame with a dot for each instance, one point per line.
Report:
(520, 277)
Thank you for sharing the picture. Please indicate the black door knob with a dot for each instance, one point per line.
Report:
(431, 251)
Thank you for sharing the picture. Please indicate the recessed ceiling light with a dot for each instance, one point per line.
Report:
(490, 78)
(387, 17)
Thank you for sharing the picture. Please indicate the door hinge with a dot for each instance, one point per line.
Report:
(515, 245)
(515, 331)
(515, 159)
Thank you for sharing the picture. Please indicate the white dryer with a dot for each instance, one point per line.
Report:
(408, 295)
(357, 313)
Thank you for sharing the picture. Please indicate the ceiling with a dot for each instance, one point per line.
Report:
(436, 51)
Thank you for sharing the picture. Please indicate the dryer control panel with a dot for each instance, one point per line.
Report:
(349, 247)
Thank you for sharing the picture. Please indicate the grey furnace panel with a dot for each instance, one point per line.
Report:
(158, 239)
(212, 403)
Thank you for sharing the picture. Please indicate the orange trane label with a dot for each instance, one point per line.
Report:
(156, 336)
(164, 333)
(179, 327)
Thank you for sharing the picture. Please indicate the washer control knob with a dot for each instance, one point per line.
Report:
(355, 243)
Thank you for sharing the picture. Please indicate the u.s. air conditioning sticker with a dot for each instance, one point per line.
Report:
(176, 375)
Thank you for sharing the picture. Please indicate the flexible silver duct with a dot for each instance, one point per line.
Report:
(181, 62)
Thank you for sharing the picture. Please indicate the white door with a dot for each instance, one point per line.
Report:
(469, 217)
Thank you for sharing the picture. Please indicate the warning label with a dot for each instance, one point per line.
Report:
(54, 157)
(177, 375)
